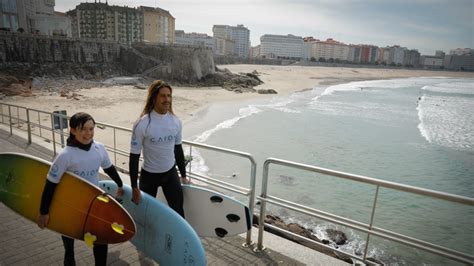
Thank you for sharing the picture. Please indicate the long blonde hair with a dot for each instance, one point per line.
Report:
(153, 90)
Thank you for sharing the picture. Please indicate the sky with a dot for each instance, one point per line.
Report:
(425, 25)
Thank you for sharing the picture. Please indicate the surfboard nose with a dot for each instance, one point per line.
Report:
(108, 221)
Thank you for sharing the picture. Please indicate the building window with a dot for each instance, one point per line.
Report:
(6, 21)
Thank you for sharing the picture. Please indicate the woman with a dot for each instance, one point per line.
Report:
(159, 133)
(82, 156)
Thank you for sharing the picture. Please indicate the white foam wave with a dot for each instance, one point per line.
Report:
(198, 164)
(369, 85)
(421, 126)
(243, 112)
(452, 87)
(445, 121)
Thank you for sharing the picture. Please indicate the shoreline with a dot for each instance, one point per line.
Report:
(122, 105)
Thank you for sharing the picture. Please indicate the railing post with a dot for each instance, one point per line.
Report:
(190, 162)
(253, 176)
(28, 125)
(1, 112)
(261, 218)
(371, 222)
(52, 131)
(39, 124)
(115, 148)
(10, 119)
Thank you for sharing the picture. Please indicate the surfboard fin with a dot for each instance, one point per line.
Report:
(117, 228)
(233, 218)
(103, 198)
(216, 199)
(89, 239)
(220, 232)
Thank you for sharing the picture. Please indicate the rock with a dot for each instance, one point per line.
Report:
(336, 236)
(268, 91)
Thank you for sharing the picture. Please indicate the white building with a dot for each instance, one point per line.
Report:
(57, 24)
(461, 51)
(195, 39)
(239, 35)
(255, 51)
(281, 46)
(431, 61)
(398, 55)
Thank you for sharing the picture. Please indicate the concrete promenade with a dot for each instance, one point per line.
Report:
(23, 243)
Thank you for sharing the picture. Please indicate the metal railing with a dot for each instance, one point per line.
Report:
(369, 228)
(15, 116)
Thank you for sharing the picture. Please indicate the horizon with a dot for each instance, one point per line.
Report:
(424, 25)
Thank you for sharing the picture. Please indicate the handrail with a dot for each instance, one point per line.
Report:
(367, 228)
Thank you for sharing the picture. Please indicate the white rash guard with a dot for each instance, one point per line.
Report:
(80, 162)
(157, 134)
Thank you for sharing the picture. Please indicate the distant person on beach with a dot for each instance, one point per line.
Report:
(159, 133)
(82, 156)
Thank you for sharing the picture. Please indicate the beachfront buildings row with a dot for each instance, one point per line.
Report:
(308, 48)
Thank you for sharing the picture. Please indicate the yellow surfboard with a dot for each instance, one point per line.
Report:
(79, 209)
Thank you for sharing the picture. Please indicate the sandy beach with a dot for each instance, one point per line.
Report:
(121, 105)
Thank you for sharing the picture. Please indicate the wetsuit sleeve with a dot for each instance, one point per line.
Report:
(112, 172)
(179, 157)
(47, 197)
(133, 168)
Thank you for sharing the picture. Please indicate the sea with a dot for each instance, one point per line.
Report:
(414, 131)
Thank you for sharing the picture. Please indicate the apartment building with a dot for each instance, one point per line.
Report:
(328, 50)
(225, 47)
(158, 25)
(56, 24)
(281, 46)
(383, 55)
(431, 62)
(33, 16)
(226, 35)
(105, 22)
(195, 39)
(460, 59)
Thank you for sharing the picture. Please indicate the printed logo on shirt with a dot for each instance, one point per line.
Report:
(161, 139)
(54, 171)
(134, 139)
(85, 174)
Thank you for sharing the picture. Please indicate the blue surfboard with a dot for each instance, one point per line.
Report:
(161, 233)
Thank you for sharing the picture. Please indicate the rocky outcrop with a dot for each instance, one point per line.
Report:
(302, 231)
(11, 86)
(242, 82)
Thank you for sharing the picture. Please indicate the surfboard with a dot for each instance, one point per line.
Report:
(79, 209)
(162, 234)
(213, 214)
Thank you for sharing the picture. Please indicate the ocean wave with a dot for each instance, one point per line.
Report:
(370, 85)
(463, 88)
(198, 164)
(243, 112)
(445, 122)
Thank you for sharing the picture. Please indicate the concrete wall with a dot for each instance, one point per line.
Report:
(183, 64)
(29, 48)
